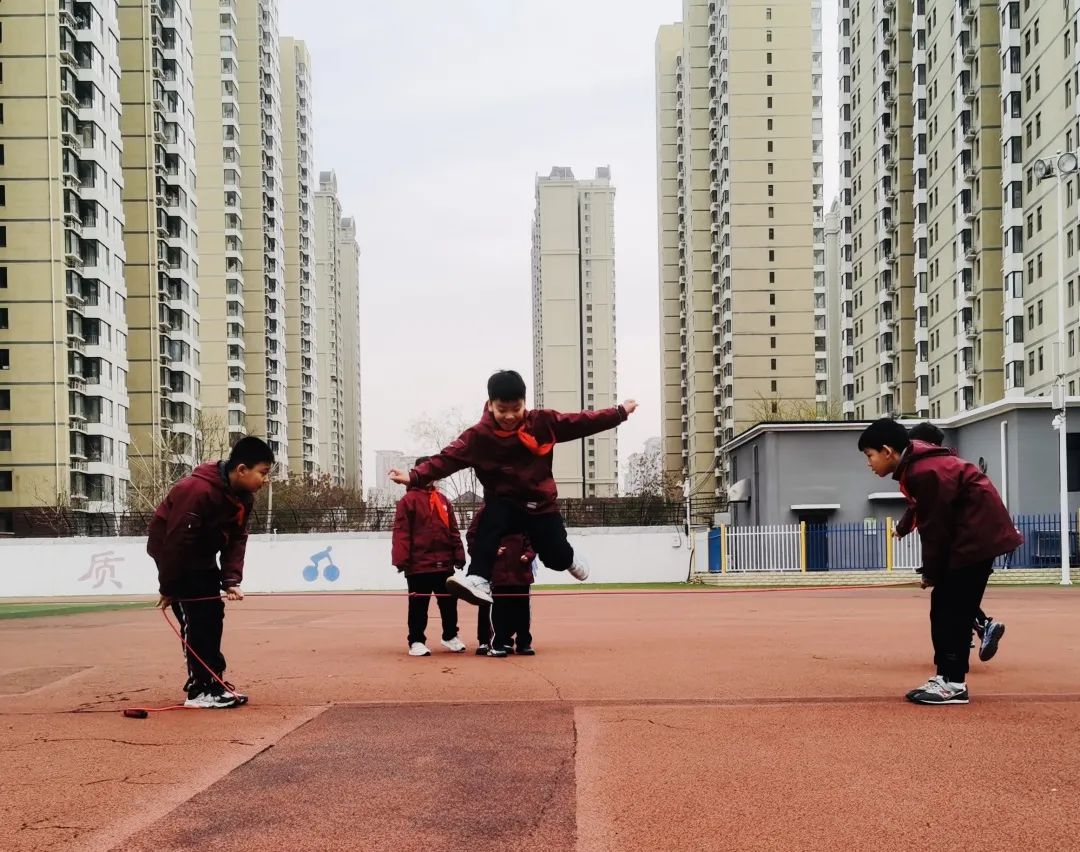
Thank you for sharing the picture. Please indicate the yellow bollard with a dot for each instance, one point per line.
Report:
(890, 544)
(723, 548)
(802, 538)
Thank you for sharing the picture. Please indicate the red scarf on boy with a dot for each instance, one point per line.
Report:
(530, 443)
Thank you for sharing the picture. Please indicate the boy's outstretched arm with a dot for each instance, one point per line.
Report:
(456, 456)
(571, 427)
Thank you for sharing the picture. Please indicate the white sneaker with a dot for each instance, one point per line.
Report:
(580, 569)
(455, 645)
(210, 701)
(470, 588)
(419, 649)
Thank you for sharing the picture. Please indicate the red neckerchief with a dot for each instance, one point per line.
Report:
(438, 507)
(530, 443)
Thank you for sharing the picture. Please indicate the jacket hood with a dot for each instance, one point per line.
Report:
(920, 450)
(214, 473)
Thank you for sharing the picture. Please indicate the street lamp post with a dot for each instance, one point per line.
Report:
(1062, 167)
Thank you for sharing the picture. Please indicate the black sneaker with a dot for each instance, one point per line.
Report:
(526, 651)
(231, 690)
(990, 638)
(498, 652)
(482, 650)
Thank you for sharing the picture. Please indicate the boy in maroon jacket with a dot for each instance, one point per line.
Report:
(988, 630)
(427, 548)
(204, 515)
(511, 449)
(509, 618)
(964, 526)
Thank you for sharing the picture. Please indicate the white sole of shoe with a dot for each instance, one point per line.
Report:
(419, 653)
(197, 705)
(926, 703)
(459, 589)
(454, 650)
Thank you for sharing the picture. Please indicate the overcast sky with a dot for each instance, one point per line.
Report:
(437, 116)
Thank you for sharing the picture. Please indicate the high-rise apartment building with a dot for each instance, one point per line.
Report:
(742, 219)
(921, 157)
(573, 309)
(223, 295)
(262, 224)
(1039, 51)
(160, 239)
(352, 451)
(329, 319)
(298, 196)
(63, 326)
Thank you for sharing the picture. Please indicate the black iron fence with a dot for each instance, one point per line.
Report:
(606, 512)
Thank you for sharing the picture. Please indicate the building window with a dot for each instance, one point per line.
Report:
(772, 342)
(5, 399)
(3, 317)
(5, 359)
(5, 440)
(3, 236)
(5, 480)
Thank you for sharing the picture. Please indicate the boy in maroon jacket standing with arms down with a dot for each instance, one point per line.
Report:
(427, 548)
(964, 526)
(206, 514)
(511, 449)
(509, 619)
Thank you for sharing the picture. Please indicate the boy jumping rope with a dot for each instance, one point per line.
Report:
(511, 451)
(204, 515)
(964, 526)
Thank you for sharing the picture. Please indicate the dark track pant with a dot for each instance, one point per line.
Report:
(421, 587)
(510, 617)
(954, 604)
(547, 535)
(201, 623)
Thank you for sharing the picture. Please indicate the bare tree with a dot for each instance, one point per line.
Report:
(163, 458)
(777, 409)
(431, 434)
(646, 477)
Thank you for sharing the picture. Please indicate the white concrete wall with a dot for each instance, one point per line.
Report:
(120, 566)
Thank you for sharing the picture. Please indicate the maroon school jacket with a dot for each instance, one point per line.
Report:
(510, 569)
(959, 512)
(422, 542)
(505, 466)
(200, 518)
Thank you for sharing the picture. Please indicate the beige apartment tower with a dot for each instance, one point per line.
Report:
(352, 451)
(161, 242)
(63, 326)
(337, 321)
(298, 196)
(921, 180)
(573, 310)
(741, 226)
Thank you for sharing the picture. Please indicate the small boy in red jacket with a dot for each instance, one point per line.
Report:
(964, 526)
(204, 515)
(509, 618)
(427, 548)
(988, 630)
(511, 451)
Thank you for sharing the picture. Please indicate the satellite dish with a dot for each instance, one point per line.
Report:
(739, 492)
(1043, 169)
(1067, 163)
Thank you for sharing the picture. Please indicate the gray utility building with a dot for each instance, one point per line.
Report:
(784, 473)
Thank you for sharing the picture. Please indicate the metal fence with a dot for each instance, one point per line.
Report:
(869, 546)
(600, 512)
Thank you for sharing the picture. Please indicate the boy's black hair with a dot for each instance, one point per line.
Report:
(927, 431)
(421, 460)
(882, 433)
(249, 451)
(506, 386)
